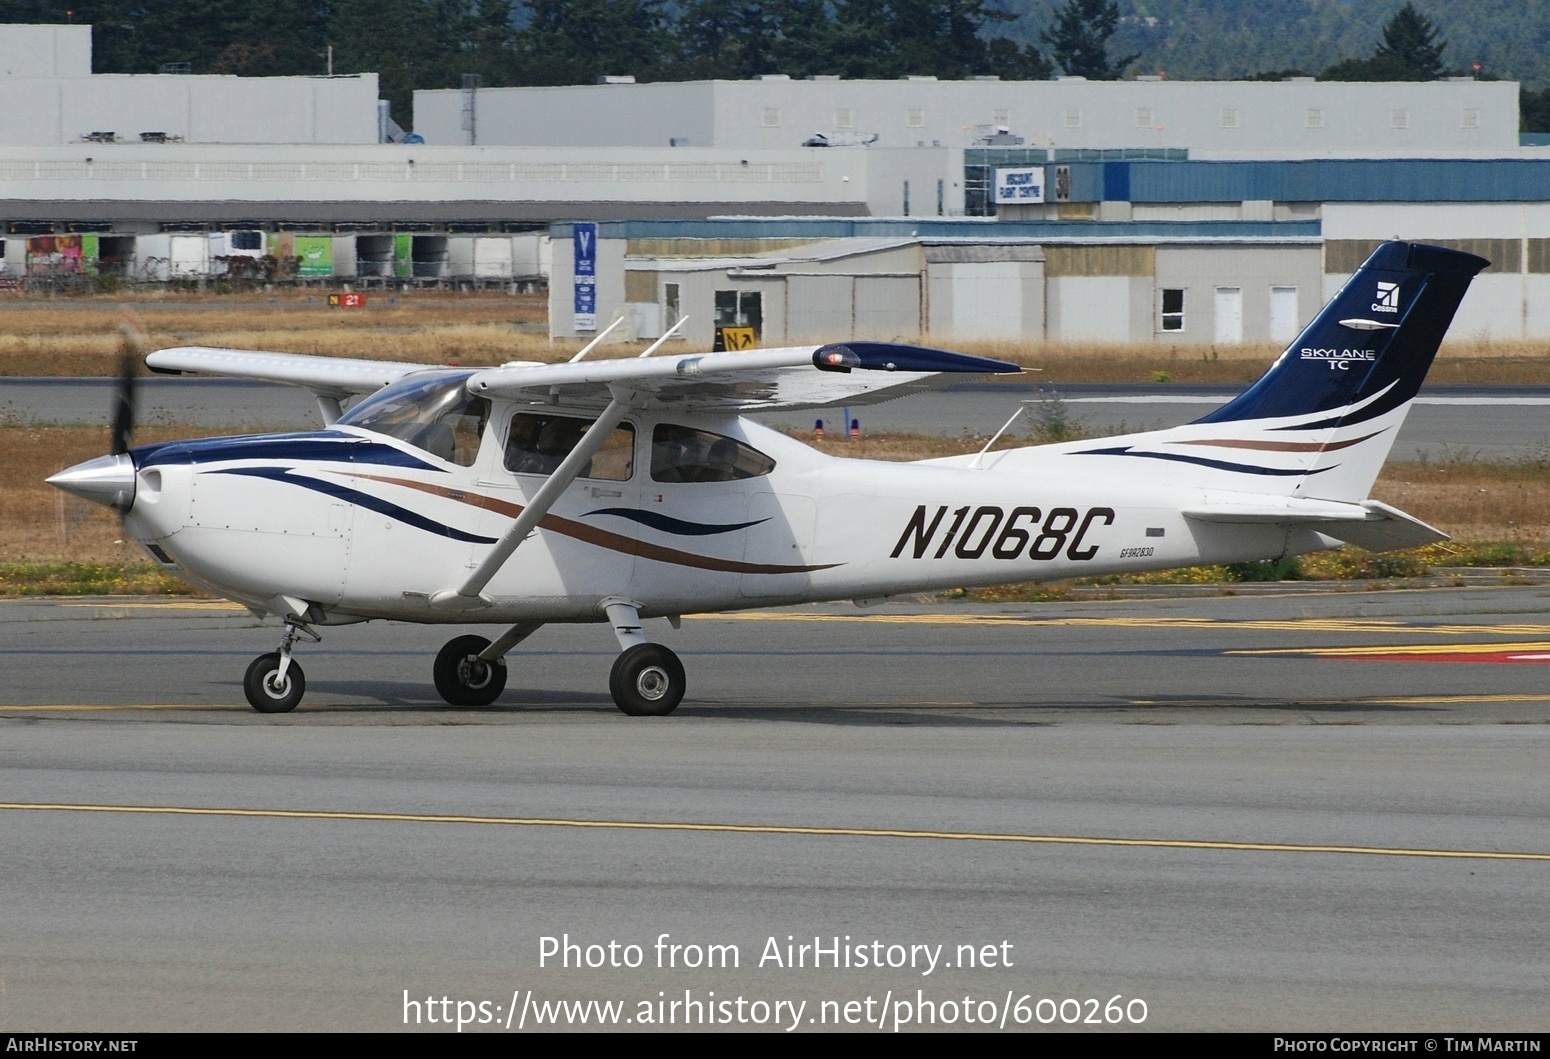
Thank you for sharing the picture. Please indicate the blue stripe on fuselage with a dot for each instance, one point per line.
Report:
(329, 445)
(360, 499)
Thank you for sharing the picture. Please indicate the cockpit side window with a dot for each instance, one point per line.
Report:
(437, 414)
(537, 444)
(684, 454)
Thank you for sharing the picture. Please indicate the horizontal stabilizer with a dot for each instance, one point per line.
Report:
(1370, 524)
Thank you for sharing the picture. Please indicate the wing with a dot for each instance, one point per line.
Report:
(846, 373)
(325, 376)
(854, 373)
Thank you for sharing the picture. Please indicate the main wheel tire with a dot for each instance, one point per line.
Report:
(462, 679)
(647, 681)
(265, 693)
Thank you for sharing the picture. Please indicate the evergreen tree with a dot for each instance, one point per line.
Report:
(572, 42)
(1079, 40)
(1409, 51)
(1410, 39)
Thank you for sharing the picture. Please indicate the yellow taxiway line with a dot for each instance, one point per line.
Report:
(776, 829)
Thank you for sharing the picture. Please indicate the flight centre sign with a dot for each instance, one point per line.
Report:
(1015, 186)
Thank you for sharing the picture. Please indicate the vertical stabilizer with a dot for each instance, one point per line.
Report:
(1340, 391)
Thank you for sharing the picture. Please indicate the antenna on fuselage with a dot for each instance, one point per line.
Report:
(974, 464)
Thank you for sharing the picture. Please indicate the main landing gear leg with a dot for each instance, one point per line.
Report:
(471, 671)
(274, 683)
(647, 679)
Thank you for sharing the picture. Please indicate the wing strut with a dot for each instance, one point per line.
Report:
(469, 595)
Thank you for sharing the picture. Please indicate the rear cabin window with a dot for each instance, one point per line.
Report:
(537, 444)
(684, 454)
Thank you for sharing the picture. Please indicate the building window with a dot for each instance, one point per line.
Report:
(1143, 117)
(772, 117)
(1229, 117)
(1073, 119)
(1315, 118)
(1470, 118)
(1171, 318)
(844, 118)
(671, 310)
(977, 198)
(1399, 118)
(915, 117)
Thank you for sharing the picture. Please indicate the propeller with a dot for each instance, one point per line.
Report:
(131, 349)
(110, 479)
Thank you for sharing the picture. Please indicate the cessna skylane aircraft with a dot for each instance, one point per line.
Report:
(617, 490)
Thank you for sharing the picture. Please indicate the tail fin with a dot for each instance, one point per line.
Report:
(1368, 350)
(1321, 421)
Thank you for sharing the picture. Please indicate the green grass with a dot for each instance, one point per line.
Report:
(91, 579)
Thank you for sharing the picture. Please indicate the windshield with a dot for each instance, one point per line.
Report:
(434, 413)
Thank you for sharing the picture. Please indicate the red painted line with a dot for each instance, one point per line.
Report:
(1499, 657)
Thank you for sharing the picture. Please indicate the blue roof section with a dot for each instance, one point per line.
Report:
(1322, 180)
(947, 228)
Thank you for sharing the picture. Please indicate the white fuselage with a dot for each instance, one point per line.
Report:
(362, 526)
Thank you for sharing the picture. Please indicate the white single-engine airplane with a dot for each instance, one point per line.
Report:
(619, 490)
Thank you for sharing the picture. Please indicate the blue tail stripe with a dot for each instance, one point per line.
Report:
(1201, 461)
(1331, 366)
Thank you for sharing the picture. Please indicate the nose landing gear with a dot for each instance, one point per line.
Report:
(274, 683)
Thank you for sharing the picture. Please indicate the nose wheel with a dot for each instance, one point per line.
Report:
(274, 683)
(271, 691)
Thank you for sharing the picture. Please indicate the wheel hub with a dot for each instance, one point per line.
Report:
(473, 673)
(652, 683)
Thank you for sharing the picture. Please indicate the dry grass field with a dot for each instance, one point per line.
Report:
(79, 336)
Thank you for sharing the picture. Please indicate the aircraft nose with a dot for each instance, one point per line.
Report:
(106, 480)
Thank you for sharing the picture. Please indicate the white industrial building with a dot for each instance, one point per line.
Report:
(1302, 117)
(52, 97)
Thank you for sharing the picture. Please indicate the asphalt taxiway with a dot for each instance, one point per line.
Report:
(1286, 810)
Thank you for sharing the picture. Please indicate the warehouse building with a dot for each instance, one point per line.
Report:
(1297, 117)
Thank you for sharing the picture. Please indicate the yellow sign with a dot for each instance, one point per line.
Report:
(737, 337)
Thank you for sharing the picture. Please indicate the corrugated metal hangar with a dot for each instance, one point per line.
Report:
(1208, 213)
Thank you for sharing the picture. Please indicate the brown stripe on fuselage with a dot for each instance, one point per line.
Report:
(600, 537)
(1279, 446)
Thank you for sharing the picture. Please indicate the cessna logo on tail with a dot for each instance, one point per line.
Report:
(1388, 298)
(1339, 358)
